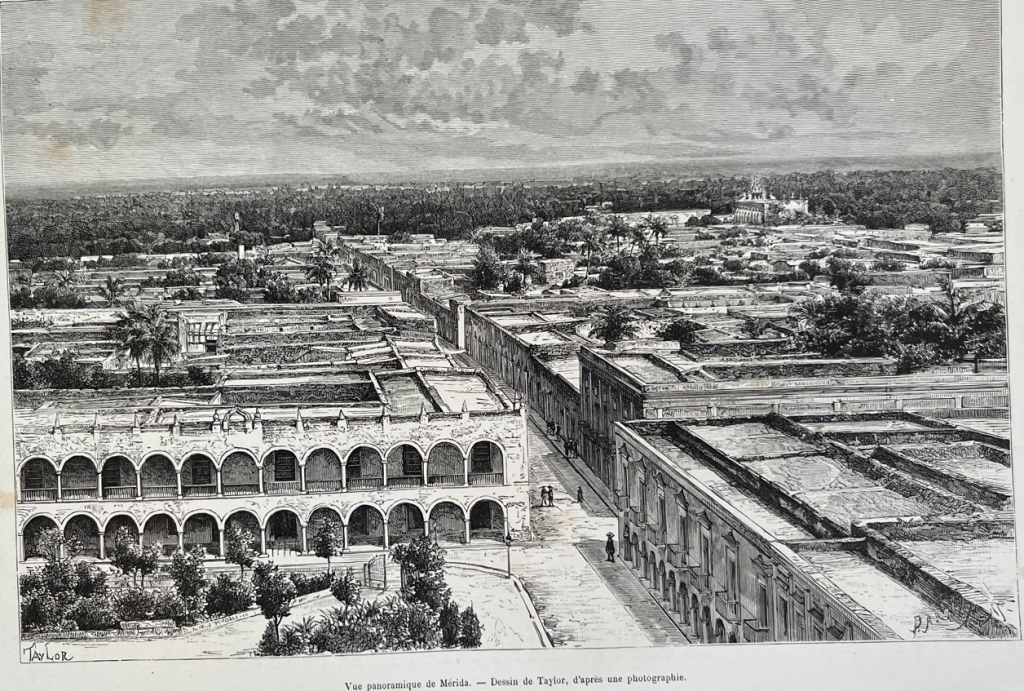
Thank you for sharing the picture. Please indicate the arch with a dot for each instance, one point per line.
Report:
(79, 478)
(161, 529)
(32, 535)
(40, 456)
(83, 530)
(673, 592)
(446, 465)
(486, 520)
(198, 476)
(644, 573)
(159, 477)
(405, 523)
(201, 529)
(323, 512)
(244, 520)
(323, 470)
(281, 472)
(719, 631)
(652, 562)
(283, 531)
(117, 457)
(705, 620)
(626, 547)
(405, 466)
(448, 522)
(664, 582)
(38, 478)
(684, 611)
(366, 526)
(239, 474)
(118, 478)
(115, 523)
(364, 468)
(486, 463)
(79, 457)
(695, 615)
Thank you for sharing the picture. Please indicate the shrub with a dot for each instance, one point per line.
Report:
(472, 632)
(304, 585)
(228, 596)
(345, 589)
(451, 625)
(94, 613)
(134, 604)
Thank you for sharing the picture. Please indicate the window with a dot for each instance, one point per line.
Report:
(112, 474)
(705, 553)
(481, 458)
(819, 633)
(202, 472)
(784, 616)
(33, 478)
(762, 603)
(354, 467)
(662, 513)
(800, 626)
(412, 463)
(284, 467)
(732, 587)
(684, 533)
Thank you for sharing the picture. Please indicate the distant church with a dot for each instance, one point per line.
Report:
(756, 205)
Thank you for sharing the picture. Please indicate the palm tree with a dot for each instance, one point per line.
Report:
(113, 291)
(321, 271)
(593, 243)
(614, 323)
(657, 226)
(65, 278)
(358, 278)
(525, 267)
(146, 333)
(618, 229)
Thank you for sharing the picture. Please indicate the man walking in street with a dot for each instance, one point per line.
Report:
(609, 547)
(579, 495)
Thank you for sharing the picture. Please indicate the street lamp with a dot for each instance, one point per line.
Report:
(508, 554)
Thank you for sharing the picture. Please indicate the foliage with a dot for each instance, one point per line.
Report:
(643, 270)
(345, 589)
(274, 593)
(755, 327)
(328, 539)
(451, 625)
(845, 276)
(682, 330)
(915, 332)
(239, 548)
(46, 297)
(488, 271)
(188, 294)
(227, 596)
(887, 264)
(938, 264)
(614, 323)
(189, 575)
(130, 558)
(236, 277)
(63, 595)
(472, 633)
(358, 278)
(422, 562)
(304, 585)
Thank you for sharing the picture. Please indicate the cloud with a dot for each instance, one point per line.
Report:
(411, 84)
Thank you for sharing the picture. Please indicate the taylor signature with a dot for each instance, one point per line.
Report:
(36, 654)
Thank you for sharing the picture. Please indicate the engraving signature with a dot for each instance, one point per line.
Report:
(35, 654)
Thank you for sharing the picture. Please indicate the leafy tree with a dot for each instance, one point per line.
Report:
(328, 539)
(810, 267)
(125, 553)
(682, 330)
(274, 594)
(422, 563)
(227, 596)
(189, 575)
(488, 271)
(238, 549)
(471, 635)
(345, 589)
(147, 562)
(525, 268)
(592, 244)
(887, 264)
(845, 276)
(614, 323)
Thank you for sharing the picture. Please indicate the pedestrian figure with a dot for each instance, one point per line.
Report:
(551, 495)
(609, 547)
(579, 495)
(543, 495)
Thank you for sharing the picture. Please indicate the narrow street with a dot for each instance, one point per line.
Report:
(575, 535)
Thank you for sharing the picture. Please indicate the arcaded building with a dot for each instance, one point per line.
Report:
(391, 455)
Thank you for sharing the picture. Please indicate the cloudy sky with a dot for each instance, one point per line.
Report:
(121, 89)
